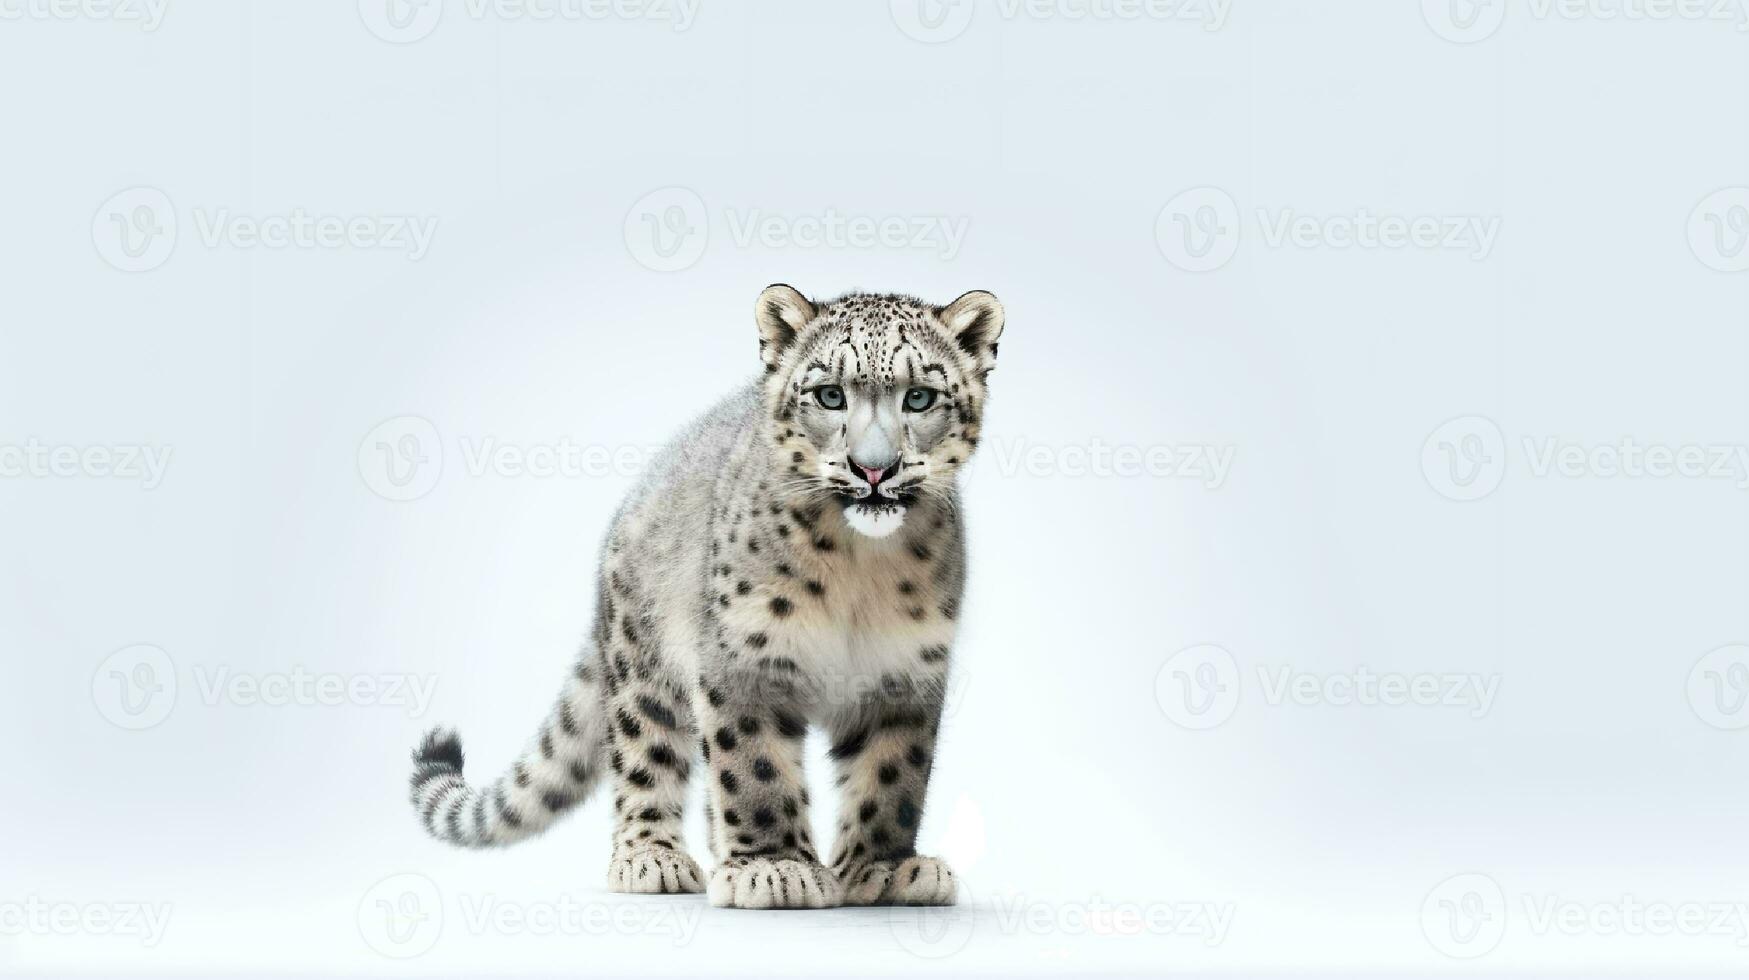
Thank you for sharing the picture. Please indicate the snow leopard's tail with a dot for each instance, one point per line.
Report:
(554, 774)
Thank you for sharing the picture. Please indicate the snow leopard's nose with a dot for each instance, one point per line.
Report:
(873, 474)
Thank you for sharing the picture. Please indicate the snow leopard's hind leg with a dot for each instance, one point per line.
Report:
(650, 735)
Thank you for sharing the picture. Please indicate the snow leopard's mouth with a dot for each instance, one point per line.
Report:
(874, 516)
(877, 499)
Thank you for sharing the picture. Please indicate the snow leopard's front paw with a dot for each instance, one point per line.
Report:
(653, 871)
(913, 881)
(773, 883)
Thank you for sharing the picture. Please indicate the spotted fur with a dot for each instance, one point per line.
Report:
(785, 564)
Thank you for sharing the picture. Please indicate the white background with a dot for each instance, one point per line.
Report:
(1072, 778)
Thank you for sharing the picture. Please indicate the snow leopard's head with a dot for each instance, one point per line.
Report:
(875, 400)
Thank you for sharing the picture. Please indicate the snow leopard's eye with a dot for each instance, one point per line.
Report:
(830, 397)
(919, 399)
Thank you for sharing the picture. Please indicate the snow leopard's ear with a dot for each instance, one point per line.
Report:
(781, 313)
(974, 321)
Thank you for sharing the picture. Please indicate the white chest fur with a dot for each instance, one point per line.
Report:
(863, 615)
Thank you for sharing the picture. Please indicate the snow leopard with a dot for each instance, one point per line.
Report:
(795, 558)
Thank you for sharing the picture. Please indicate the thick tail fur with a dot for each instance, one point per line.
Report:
(554, 774)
